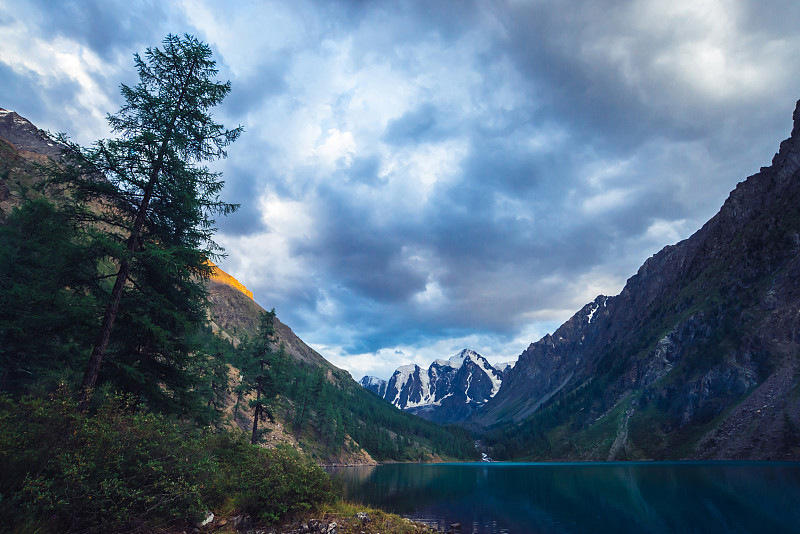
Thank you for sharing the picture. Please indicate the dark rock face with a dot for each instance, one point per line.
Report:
(18, 166)
(447, 392)
(703, 326)
(25, 137)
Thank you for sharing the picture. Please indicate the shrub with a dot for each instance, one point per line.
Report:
(124, 468)
(119, 468)
(270, 483)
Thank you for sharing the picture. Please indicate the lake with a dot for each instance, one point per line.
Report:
(541, 498)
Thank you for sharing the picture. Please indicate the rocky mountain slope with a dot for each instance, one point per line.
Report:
(447, 391)
(697, 357)
(234, 314)
(22, 147)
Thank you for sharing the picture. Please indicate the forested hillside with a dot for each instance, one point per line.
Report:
(330, 415)
(321, 405)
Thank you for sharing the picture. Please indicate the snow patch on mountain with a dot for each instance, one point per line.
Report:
(599, 302)
(504, 367)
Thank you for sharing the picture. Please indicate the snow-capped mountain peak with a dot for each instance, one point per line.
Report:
(458, 360)
(447, 391)
(374, 384)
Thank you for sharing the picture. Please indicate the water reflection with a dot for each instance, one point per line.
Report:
(576, 498)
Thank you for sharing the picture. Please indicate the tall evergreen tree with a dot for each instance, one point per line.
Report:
(157, 197)
(261, 370)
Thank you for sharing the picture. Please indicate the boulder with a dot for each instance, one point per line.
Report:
(242, 522)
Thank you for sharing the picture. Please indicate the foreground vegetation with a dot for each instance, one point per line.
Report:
(122, 467)
(125, 469)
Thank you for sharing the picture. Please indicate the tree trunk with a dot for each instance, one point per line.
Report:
(236, 406)
(256, 415)
(257, 412)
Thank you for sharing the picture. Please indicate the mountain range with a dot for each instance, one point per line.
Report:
(697, 357)
(448, 391)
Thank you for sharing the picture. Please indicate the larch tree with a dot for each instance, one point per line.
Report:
(156, 197)
(261, 375)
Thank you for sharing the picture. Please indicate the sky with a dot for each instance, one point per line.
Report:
(416, 178)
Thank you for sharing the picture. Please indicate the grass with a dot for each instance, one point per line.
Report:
(343, 513)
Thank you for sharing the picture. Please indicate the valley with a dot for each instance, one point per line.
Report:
(399, 268)
(697, 357)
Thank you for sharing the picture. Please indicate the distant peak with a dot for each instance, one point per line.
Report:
(459, 359)
(371, 380)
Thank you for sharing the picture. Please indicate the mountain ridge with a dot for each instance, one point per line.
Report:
(703, 325)
(448, 391)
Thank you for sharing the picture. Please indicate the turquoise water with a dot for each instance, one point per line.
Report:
(646, 497)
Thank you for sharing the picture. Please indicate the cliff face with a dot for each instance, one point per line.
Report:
(696, 357)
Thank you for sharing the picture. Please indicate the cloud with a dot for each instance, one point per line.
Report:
(420, 125)
(97, 24)
(64, 75)
(422, 177)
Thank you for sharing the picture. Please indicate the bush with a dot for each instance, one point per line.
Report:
(117, 469)
(270, 483)
(124, 468)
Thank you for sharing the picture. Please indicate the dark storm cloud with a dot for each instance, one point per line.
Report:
(267, 80)
(42, 104)
(567, 55)
(365, 258)
(779, 18)
(99, 25)
(421, 125)
(516, 156)
(596, 69)
(243, 189)
(495, 166)
(21, 94)
(365, 170)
